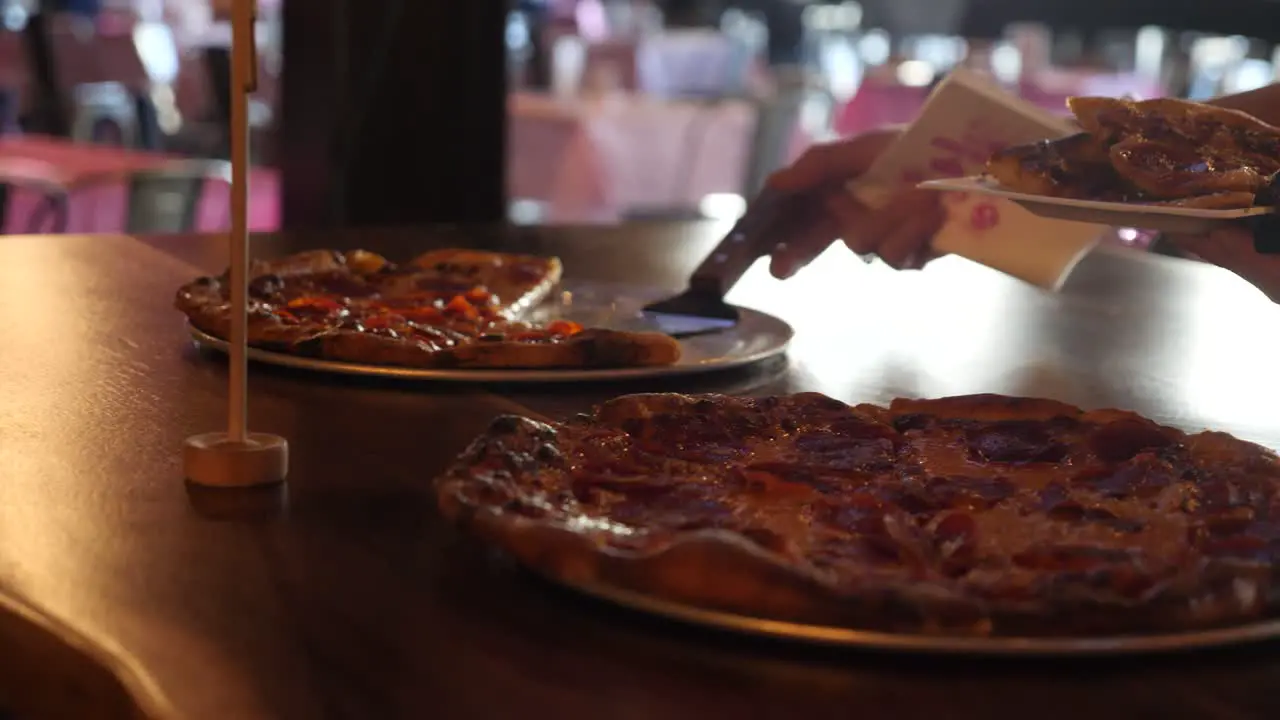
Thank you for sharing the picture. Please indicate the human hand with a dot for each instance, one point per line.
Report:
(1237, 249)
(899, 232)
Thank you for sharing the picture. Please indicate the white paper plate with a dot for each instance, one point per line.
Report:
(1165, 218)
(755, 338)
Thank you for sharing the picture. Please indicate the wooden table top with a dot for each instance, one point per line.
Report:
(345, 597)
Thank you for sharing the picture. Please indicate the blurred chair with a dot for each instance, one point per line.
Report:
(1160, 245)
(44, 180)
(49, 217)
(104, 113)
(167, 199)
(159, 201)
(83, 56)
(692, 63)
(10, 109)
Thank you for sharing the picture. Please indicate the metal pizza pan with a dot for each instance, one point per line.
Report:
(991, 646)
(756, 338)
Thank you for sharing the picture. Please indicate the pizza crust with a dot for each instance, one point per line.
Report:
(588, 349)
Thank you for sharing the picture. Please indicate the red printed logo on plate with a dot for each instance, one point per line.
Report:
(964, 153)
(947, 167)
(984, 216)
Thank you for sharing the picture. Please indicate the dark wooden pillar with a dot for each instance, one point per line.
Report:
(393, 112)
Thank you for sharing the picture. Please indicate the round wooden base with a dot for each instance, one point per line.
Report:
(214, 460)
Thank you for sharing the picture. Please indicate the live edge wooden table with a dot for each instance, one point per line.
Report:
(127, 594)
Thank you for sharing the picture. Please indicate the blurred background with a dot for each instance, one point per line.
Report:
(113, 112)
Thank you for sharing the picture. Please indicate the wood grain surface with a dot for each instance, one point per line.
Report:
(342, 595)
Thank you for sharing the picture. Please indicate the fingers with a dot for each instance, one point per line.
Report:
(800, 250)
(906, 247)
(899, 233)
(1266, 233)
(1233, 249)
(851, 220)
(832, 162)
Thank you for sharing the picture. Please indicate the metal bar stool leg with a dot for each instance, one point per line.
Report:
(55, 205)
(1161, 246)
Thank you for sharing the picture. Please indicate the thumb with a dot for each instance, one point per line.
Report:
(1231, 248)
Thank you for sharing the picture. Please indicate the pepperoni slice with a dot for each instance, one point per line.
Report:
(956, 537)
(1121, 440)
(771, 486)
(1070, 558)
(1231, 521)
(1015, 441)
(859, 513)
(1244, 547)
(831, 451)
(314, 306)
(531, 336)
(563, 327)
(644, 489)
(707, 428)
(523, 272)
(1052, 495)
(428, 315)
(1124, 579)
(341, 283)
(478, 296)
(955, 526)
(968, 492)
(913, 421)
(1143, 476)
(683, 508)
(460, 307)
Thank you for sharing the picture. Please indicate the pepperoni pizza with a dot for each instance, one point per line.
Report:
(443, 309)
(977, 515)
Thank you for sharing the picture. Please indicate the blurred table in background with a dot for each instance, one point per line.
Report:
(30, 163)
(592, 159)
(669, 64)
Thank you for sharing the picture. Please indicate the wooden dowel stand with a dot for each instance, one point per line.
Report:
(237, 457)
